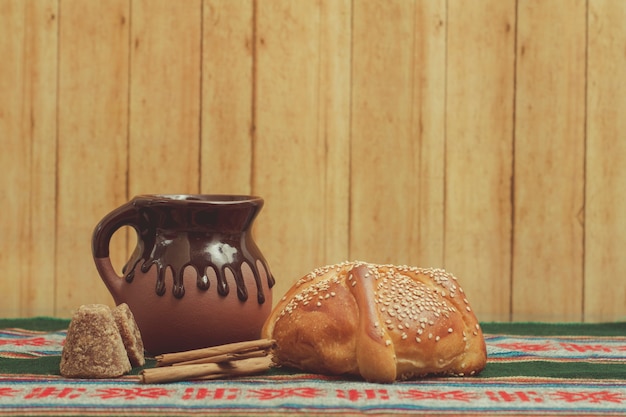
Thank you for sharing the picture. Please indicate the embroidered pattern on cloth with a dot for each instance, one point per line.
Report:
(283, 392)
(20, 343)
(562, 348)
(281, 395)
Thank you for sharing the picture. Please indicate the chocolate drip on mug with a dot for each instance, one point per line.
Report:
(203, 238)
(163, 264)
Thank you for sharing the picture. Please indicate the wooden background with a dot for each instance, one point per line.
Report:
(486, 136)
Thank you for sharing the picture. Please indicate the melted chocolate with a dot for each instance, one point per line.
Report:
(179, 232)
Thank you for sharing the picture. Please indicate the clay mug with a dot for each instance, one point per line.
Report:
(196, 277)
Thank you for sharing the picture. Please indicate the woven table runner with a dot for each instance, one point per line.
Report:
(533, 368)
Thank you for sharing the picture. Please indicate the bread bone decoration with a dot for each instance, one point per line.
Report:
(380, 322)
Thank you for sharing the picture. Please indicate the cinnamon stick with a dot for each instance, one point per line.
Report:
(205, 371)
(226, 357)
(200, 354)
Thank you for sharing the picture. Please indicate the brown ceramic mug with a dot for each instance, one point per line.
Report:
(196, 277)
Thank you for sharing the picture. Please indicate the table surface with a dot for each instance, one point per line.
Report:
(548, 369)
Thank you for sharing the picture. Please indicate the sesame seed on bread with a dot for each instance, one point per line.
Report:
(379, 322)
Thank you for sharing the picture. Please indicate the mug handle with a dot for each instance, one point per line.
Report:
(125, 215)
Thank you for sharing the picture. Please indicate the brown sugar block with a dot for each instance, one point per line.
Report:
(93, 347)
(130, 334)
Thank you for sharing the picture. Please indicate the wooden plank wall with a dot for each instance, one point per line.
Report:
(487, 137)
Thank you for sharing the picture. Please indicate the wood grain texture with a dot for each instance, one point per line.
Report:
(28, 43)
(428, 130)
(15, 148)
(605, 184)
(92, 141)
(549, 161)
(479, 151)
(289, 154)
(484, 137)
(384, 172)
(227, 102)
(165, 73)
(333, 126)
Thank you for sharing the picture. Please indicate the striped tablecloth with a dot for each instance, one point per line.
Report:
(533, 368)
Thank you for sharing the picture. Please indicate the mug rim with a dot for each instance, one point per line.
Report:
(201, 198)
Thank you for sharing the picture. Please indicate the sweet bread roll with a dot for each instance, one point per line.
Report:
(380, 322)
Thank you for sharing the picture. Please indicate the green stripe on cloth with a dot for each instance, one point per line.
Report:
(46, 365)
(45, 324)
(546, 369)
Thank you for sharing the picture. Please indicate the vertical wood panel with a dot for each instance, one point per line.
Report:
(346, 116)
(384, 172)
(479, 141)
(288, 153)
(605, 232)
(165, 96)
(549, 161)
(428, 130)
(93, 108)
(227, 58)
(28, 45)
(286, 103)
(333, 126)
(12, 76)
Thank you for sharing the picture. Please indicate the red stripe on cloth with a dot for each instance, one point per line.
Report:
(278, 396)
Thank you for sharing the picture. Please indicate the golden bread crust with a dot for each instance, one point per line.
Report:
(380, 322)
